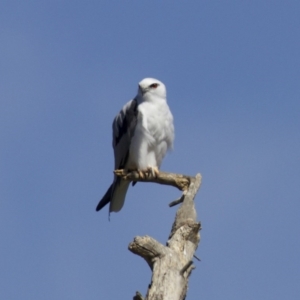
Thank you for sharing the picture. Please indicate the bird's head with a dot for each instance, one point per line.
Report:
(150, 87)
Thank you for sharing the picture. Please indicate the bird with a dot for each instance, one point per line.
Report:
(143, 132)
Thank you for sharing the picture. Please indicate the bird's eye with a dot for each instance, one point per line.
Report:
(154, 85)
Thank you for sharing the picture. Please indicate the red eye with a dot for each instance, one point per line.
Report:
(154, 85)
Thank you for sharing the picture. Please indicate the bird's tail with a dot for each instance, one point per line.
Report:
(115, 194)
(118, 196)
(105, 199)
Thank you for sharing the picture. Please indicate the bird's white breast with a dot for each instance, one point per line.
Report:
(153, 136)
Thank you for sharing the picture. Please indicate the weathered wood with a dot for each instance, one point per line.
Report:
(171, 264)
(148, 248)
(180, 181)
(187, 212)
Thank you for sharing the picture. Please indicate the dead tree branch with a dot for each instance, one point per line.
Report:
(171, 264)
(182, 182)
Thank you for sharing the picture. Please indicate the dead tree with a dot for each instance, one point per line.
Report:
(171, 264)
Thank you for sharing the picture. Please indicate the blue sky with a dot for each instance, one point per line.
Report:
(232, 71)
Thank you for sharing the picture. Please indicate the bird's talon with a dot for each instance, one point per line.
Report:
(141, 174)
(152, 172)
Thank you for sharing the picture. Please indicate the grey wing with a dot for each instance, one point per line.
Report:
(123, 131)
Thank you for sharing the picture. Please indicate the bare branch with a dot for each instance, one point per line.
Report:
(171, 264)
(176, 202)
(187, 212)
(180, 181)
(148, 248)
(197, 257)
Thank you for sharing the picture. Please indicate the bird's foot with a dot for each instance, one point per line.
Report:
(150, 172)
(153, 171)
(142, 173)
(120, 172)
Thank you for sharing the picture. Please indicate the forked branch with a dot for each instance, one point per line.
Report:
(171, 264)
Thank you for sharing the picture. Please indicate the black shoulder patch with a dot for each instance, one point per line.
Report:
(128, 120)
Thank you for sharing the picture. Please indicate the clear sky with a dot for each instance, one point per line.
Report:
(232, 71)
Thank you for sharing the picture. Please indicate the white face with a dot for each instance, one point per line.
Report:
(152, 87)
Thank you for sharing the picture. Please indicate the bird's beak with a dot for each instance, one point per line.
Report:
(142, 90)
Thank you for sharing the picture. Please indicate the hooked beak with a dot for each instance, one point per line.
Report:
(143, 90)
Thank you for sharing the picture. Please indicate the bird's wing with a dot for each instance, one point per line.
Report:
(123, 131)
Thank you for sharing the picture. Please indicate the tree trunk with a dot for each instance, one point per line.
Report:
(171, 264)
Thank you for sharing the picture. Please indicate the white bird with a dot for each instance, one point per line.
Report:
(143, 132)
